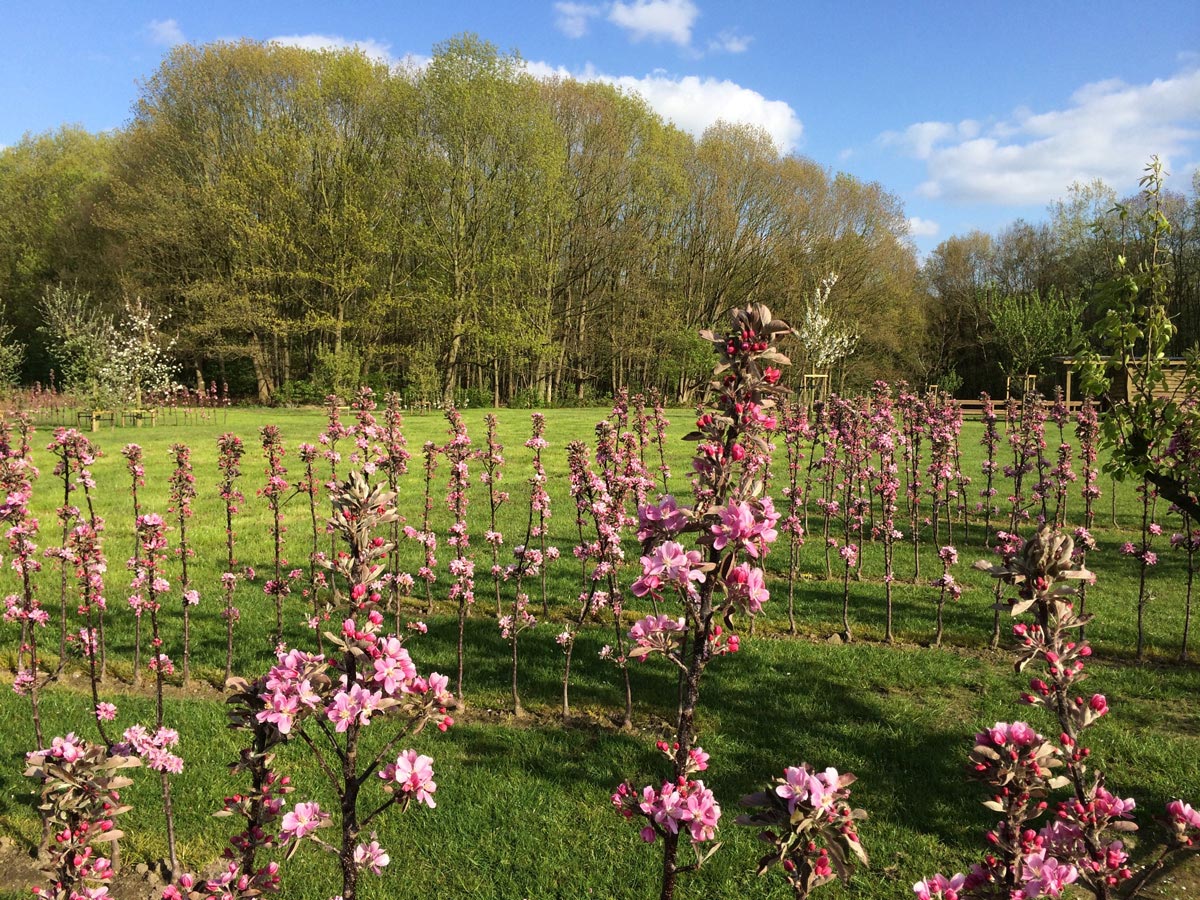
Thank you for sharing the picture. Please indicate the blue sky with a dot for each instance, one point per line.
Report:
(972, 113)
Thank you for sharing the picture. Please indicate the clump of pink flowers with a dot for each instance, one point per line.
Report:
(80, 785)
(1021, 769)
(806, 818)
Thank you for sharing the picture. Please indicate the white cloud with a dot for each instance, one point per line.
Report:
(918, 227)
(377, 50)
(573, 19)
(659, 20)
(918, 140)
(165, 32)
(729, 42)
(694, 103)
(1109, 130)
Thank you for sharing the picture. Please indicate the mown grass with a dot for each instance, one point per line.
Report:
(523, 807)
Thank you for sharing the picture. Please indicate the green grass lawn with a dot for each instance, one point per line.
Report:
(523, 808)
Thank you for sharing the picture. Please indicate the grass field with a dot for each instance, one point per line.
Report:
(523, 807)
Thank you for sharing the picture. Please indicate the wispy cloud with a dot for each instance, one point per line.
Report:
(377, 50)
(165, 32)
(1109, 130)
(694, 103)
(656, 20)
(918, 227)
(729, 42)
(574, 19)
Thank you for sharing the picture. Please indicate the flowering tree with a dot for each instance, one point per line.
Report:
(825, 342)
(462, 567)
(310, 487)
(149, 586)
(539, 500)
(810, 826)
(947, 587)
(134, 459)
(990, 441)
(661, 423)
(16, 479)
(492, 461)
(1087, 431)
(329, 438)
(327, 702)
(274, 490)
(393, 460)
(76, 455)
(109, 363)
(883, 442)
(260, 808)
(595, 504)
(182, 493)
(426, 536)
(80, 799)
(795, 430)
(735, 525)
(90, 566)
(1079, 844)
(229, 461)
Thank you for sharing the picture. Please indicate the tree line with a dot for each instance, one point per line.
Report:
(1014, 301)
(299, 221)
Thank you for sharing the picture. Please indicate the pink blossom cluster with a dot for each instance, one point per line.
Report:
(458, 452)
(510, 625)
(393, 452)
(1184, 822)
(746, 588)
(674, 807)
(334, 432)
(134, 463)
(661, 423)
(656, 634)
(81, 798)
(818, 790)
(288, 691)
(371, 857)
(365, 432)
(806, 817)
(412, 776)
(153, 747)
(669, 565)
(664, 519)
(231, 884)
(301, 821)
(746, 525)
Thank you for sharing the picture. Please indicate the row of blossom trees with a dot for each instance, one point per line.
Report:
(365, 675)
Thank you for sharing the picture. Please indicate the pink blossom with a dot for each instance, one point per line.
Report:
(746, 587)
(1184, 819)
(1046, 876)
(394, 665)
(666, 516)
(939, 886)
(301, 820)
(413, 774)
(703, 813)
(668, 564)
(371, 856)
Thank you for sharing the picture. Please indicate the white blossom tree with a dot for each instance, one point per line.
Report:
(109, 364)
(826, 342)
